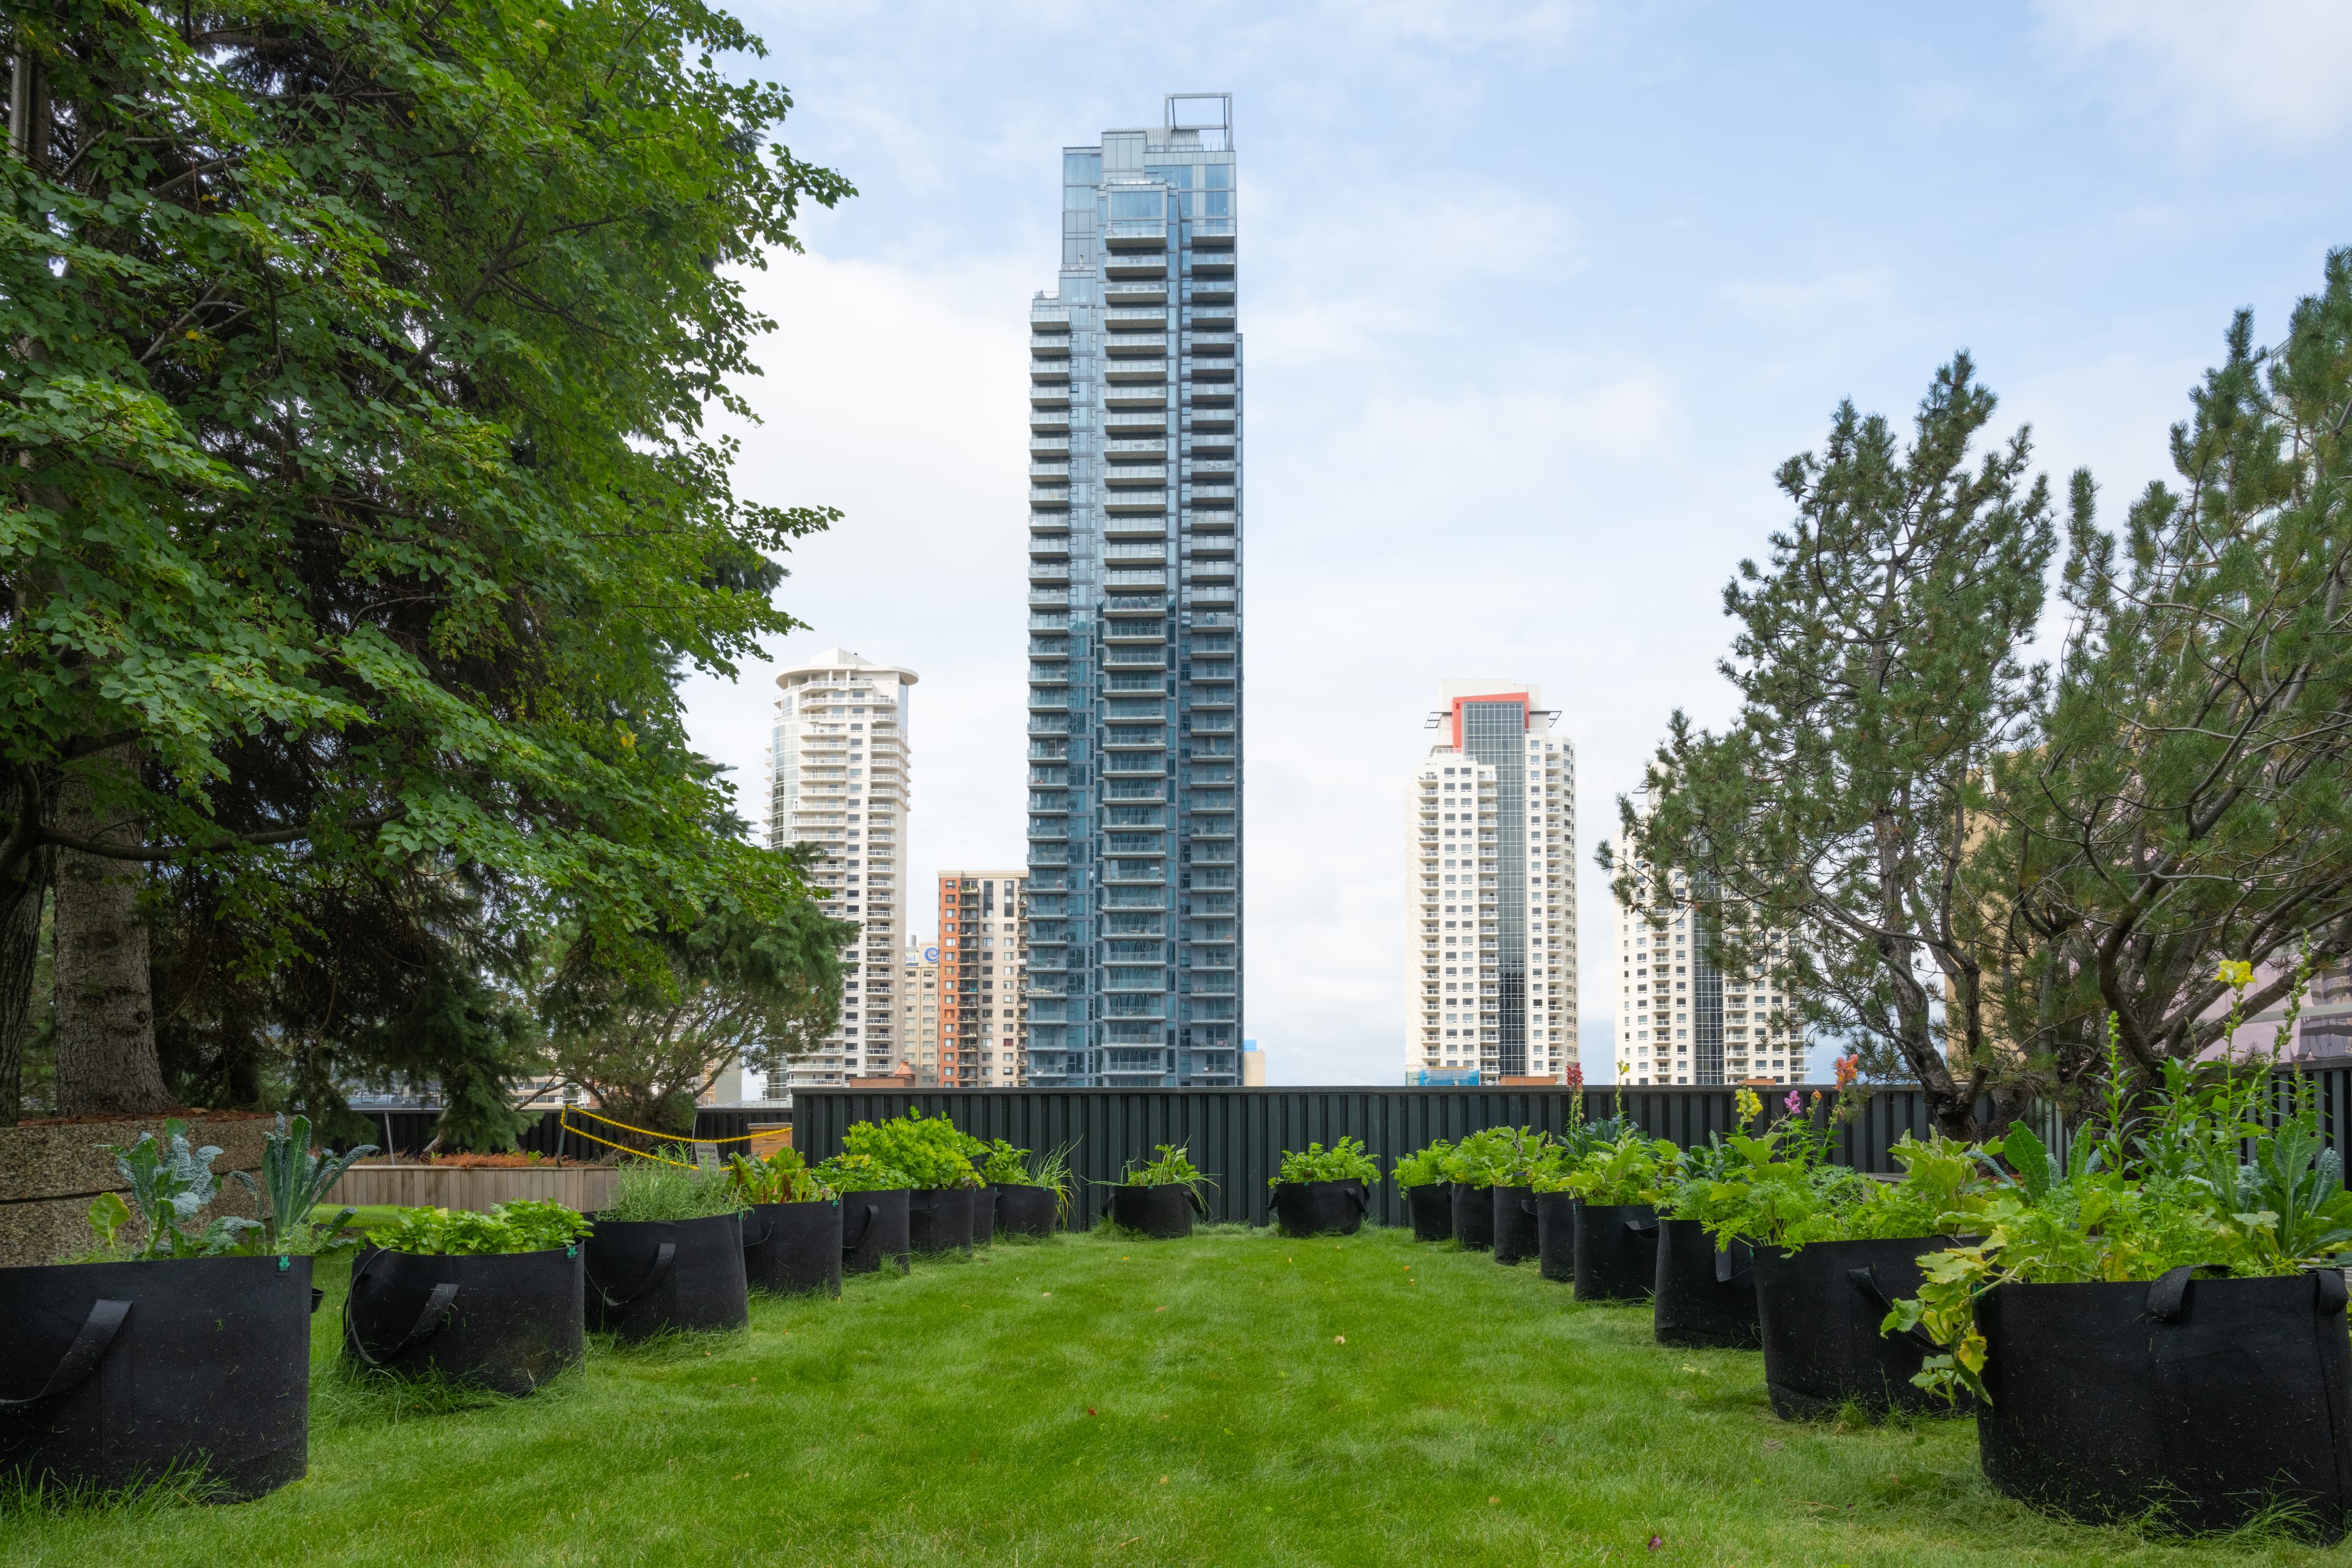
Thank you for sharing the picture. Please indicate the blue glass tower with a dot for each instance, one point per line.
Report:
(1134, 617)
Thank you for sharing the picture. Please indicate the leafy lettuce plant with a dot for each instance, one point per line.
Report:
(1344, 1161)
(1170, 1165)
(1425, 1167)
(860, 1173)
(1006, 1165)
(1499, 1157)
(170, 1184)
(783, 1177)
(929, 1150)
(522, 1225)
(1629, 1170)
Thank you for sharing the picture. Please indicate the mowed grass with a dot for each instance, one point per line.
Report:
(1236, 1399)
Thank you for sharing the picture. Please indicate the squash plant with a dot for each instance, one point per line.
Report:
(1344, 1161)
(525, 1225)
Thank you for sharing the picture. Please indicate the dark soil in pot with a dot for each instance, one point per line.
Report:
(1515, 1238)
(111, 1373)
(506, 1322)
(1556, 1236)
(1706, 1299)
(2198, 1401)
(1027, 1211)
(1164, 1213)
(938, 1219)
(872, 1228)
(1320, 1209)
(1818, 1312)
(1474, 1218)
(793, 1249)
(1616, 1252)
(1431, 1205)
(648, 1277)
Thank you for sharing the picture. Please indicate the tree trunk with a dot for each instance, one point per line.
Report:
(105, 1007)
(20, 953)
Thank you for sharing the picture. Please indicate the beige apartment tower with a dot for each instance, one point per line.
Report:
(838, 780)
(983, 1016)
(1490, 874)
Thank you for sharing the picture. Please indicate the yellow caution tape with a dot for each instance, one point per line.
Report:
(563, 1121)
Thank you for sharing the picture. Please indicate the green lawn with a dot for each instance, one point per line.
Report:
(1096, 1399)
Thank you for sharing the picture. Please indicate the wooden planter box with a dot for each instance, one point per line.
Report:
(584, 1187)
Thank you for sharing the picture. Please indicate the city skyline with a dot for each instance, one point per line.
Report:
(1577, 374)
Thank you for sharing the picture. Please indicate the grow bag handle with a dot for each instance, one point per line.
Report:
(1199, 1202)
(81, 1358)
(428, 1322)
(2169, 1294)
(1363, 1197)
(1527, 1207)
(665, 1260)
(848, 1243)
(749, 1243)
(1867, 1281)
(1642, 1226)
(1725, 1273)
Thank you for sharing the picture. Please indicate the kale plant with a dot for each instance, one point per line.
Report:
(170, 1184)
(293, 1181)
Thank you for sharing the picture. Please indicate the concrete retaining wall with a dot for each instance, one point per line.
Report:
(50, 1172)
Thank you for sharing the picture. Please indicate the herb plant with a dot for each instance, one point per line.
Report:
(522, 1225)
(654, 1189)
(1344, 1161)
(170, 1184)
(783, 1177)
(1423, 1167)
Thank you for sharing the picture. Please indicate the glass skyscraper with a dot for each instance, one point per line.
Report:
(1135, 623)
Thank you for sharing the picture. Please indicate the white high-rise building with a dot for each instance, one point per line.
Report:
(1681, 1019)
(1491, 906)
(838, 779)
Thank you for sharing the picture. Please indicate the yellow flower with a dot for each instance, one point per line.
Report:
(1748, 1105)
(2234, 974)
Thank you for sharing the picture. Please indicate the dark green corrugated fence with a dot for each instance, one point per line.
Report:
(1237, 1135)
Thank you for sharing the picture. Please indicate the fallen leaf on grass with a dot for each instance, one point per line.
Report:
(1338, 1339)
(1493, 1499)
(744, 1476)
(1163, 1481)
(1158, 1309)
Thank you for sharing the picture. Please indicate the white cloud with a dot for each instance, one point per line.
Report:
(2276, 67)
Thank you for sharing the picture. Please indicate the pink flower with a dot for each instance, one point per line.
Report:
(1794, 1103)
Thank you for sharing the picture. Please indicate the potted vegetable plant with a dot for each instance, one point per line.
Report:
(667, 1252)
(163, 1345)
(2111, 1382)
(1833, 1248)
(1158, 1198)
(1032, 1191)
(1324, 1192)
(1552, 1204)
(792, 1225)
(1615, 1217)
(1705, 1296)
(874, 1211)
(1470, 1169)
(492, 1301)
(937, 1161)
(1428, 1191)
(1518, 1159)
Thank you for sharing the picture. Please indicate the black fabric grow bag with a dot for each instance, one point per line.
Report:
(647, 1276)
(1320, 1209)
(938, 1219)
(505, 1322)
(873, 1228)
(1706, 1299)
(1164, 1213)
(1516, 1238)
(1556, 1236)
(2204, 1399)
(1474, 1218)
(1616, 1251)
(791, 1249)
(1027, 1211)
(983, 1215)
(1818, 1312)
(1431, 1205)
(113, 1372)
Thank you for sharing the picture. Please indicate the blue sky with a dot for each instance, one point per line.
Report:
(1535, 298)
